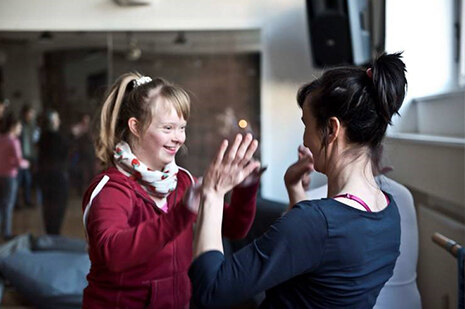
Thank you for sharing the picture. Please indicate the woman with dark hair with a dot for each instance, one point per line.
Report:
(11, 159)
(53, 175)
(335, 252)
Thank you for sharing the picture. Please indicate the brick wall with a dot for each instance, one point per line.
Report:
(223, 89)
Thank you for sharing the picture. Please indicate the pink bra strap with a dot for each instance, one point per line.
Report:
(388, 201)
(355, 198)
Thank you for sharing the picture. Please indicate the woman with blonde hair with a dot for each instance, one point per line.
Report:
(138, 225)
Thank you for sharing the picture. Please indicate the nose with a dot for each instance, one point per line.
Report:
(179, 136)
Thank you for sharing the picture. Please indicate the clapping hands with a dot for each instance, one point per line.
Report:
(233, 167)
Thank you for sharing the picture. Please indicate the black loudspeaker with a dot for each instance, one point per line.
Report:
(338, 32)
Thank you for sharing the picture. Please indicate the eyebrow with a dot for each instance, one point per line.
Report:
(173, 122)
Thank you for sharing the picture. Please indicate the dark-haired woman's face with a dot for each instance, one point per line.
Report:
(312, 137)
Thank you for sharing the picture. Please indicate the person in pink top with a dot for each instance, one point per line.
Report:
(10, 160)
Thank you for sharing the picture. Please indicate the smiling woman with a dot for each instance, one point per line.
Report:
(138, 213)
(163, 138)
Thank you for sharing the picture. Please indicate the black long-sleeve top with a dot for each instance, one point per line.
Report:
(53, 151)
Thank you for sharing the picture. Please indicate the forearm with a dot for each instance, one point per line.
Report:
(209, 221)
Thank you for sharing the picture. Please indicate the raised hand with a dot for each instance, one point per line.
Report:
(225, 172)
(297, 177)
(229, 169)
(298, 174)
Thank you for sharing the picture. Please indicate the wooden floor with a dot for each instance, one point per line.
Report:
(29, 220)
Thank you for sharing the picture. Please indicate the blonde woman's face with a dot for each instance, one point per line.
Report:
(166, 134)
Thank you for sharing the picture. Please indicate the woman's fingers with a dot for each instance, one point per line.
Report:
(230, 167)
(304, 151)
(250, 151)
(306, 181)
(240, 152)
(231, 155)
(252, 166)
(220, 153)
(243, 148)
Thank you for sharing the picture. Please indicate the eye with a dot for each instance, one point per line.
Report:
(167, 127)
(183, 128)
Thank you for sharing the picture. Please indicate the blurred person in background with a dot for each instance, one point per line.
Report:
(53, 173)
(82, 165)
(29, 138)
(11, 160)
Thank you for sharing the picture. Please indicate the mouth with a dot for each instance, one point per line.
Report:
(171, 149)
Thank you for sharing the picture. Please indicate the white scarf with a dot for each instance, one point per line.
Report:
(157, 183)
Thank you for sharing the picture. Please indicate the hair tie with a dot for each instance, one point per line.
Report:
(369, 73)
(142, 80)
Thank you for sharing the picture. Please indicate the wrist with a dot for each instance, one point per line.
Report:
(296, 193)
(294, 187)
(212, 194)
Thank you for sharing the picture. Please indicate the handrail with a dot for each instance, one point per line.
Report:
(448, 244)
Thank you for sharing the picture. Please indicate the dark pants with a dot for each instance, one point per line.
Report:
(8, 192)
(54, 186)
(25, 183)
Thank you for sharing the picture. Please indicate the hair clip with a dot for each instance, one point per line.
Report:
(142, 80)
(369, 73)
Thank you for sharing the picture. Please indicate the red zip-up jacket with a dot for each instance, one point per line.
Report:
(139, 255)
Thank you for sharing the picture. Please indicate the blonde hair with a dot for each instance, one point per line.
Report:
(126, 100)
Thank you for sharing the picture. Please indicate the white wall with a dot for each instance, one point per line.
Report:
(425, 38)
(285, 52)
(423, 30)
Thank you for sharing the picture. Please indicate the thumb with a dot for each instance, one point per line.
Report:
(304, 164)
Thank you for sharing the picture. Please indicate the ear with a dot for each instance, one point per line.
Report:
(133, 125)
(334, 128)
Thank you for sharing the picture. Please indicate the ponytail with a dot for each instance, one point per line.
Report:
(107, 138)
(390, 84)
